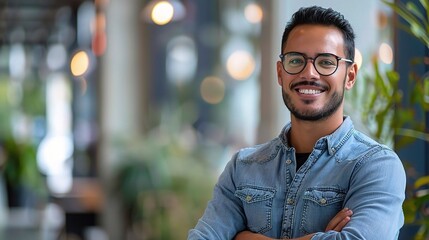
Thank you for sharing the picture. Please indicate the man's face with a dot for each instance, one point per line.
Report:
(309, 95)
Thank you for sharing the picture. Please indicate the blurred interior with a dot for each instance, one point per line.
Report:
(116, 117)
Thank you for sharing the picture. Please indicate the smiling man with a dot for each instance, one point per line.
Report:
(320, 178)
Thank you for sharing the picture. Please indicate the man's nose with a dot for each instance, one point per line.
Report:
(309, 70)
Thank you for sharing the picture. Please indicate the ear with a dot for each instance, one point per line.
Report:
(279, 73)
(351, 76)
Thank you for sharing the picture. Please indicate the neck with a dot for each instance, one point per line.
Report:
(304, 134)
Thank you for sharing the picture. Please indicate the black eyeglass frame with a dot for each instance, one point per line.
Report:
(282, 56)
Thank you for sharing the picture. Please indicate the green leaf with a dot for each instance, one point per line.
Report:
(419, 32)
(419, 26)
(410, 210)
(402, 11)
(415, 10)
(425, 4)
(421, 181)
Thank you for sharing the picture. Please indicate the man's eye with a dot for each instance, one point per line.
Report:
(326, 63)
(295, 61)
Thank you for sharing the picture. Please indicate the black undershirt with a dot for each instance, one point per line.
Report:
(300, 159)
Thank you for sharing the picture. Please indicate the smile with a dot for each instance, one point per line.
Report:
(309, 91)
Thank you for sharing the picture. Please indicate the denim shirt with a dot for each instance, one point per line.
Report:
(260, 190)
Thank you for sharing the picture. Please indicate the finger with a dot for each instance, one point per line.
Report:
(341, 224)
(338, 218)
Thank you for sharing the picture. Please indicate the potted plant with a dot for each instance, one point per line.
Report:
(405, 127)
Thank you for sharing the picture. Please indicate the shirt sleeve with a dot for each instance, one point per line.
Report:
(376, 194)
(224, 216)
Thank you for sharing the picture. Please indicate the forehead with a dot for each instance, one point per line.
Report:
(315, 39)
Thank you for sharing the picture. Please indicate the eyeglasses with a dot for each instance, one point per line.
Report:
(325, 63)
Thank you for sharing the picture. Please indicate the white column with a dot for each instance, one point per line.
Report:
(123, 87)
(273, 112)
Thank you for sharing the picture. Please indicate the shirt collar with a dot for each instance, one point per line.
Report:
(331, 142)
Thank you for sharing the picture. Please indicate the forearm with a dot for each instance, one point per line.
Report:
(247, 235)
(337, 223)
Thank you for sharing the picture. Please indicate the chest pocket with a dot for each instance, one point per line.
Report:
(257, 205)
(321, 204)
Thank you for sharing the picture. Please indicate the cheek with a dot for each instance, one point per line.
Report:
(284, 81)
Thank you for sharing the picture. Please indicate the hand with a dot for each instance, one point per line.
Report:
(340, 220)
(337, 224)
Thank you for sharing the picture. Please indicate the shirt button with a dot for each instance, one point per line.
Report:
(289, 201)
(288, 161)
(323, 201)
(248, 198)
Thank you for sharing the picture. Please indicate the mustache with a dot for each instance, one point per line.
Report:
(308, 83)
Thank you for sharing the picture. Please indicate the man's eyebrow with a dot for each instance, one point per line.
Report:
(324, 54)
(296, 53)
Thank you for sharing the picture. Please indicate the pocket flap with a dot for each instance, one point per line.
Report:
(324, 195)
(254, 194)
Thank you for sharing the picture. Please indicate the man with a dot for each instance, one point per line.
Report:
(295, 186)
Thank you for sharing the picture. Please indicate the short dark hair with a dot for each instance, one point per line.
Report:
(323, 16)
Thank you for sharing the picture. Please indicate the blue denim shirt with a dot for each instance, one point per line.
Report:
(261, 190)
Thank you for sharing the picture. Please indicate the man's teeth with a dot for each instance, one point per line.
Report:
(309, 91)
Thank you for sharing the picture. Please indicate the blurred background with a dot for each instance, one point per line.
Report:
(116, 117)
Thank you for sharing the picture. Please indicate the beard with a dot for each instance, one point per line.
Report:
(334, 103)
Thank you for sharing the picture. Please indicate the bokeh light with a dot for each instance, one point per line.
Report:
(98, 22)
(240, 65)
(99, 43)
(162, 13)
(358, 58)
(253, 13)
(56, 57)
(385, 53)
(17, 61)
(79, 63)
(212, 90)
(99, 38)
(181, 60)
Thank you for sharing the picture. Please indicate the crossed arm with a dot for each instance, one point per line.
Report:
(336, 224)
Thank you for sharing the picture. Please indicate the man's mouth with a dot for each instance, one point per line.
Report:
(309, 91)
(309, 88)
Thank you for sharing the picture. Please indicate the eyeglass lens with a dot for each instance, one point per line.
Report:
(325, 64)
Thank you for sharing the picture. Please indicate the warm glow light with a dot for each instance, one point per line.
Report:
(240, 65)
(358, 58)
(253, 13)
(385, 53)
(101, 3)
(99, 43)
(212, 90)
(79, 63)
(162, 13)
(99, 38)
(98, 23)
